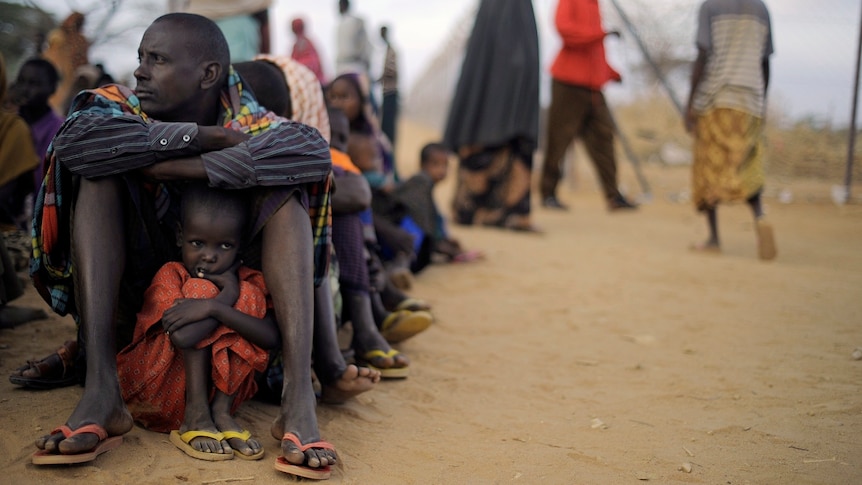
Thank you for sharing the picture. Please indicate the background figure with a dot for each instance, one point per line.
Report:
(18, 161)
(10, 289)
(389, 83)
(16, 154)
(244, 23)
(88, 76)
(307, 104)
(36, 81)
(67, 50)
(493, 121)
(352, 46)
(578, 107)
(725, 112)
(304, 51)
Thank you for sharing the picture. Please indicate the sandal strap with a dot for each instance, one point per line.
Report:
(66, 355)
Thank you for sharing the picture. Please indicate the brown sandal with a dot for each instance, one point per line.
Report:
(55, 370)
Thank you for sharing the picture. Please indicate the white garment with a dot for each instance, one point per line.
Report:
(353, 48)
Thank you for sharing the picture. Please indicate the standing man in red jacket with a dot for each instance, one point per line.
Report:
(578, 107)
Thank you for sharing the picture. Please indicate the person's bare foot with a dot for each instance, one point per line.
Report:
(298, 417)
(100, 406)
(354, 381)
(199, 418)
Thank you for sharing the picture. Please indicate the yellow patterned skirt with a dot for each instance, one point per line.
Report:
(728, 157)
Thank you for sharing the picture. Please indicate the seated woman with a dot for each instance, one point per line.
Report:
(370, 150)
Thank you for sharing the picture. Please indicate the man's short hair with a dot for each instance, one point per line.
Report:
(204, 39)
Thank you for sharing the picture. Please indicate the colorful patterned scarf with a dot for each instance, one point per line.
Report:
(51, 263)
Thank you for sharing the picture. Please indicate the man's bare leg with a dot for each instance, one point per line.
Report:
(288, 268)
(99, 255)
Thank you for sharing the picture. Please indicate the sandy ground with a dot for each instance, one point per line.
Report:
(600, 352)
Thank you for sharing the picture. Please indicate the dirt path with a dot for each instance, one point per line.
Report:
(600, 352)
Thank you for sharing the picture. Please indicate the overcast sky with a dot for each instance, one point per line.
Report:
(812, 70)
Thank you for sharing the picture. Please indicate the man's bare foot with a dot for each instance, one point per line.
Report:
(105, 409)
(354, 381)
(299, 418)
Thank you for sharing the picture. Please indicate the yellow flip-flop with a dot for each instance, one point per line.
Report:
(403, 324)
(181, 441)
(243, 435)
(385, 372)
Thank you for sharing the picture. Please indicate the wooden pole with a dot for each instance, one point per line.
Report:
(655, 67)
(851, 143)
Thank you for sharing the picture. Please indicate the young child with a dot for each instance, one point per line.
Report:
(414, 209)
(202, 333)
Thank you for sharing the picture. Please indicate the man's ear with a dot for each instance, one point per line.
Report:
(211, 74)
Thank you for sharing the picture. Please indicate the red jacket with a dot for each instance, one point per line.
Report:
(581, 61)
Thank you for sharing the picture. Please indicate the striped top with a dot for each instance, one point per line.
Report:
(737, 37)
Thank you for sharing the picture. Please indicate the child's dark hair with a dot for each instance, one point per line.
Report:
(268, 84)
(47, 68)
(197, 195)
(429, 149)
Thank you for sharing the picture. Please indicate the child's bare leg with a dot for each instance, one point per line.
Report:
(366, 336)
(224, 422)
(197, 416)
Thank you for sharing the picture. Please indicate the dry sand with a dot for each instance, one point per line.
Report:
(601, 352)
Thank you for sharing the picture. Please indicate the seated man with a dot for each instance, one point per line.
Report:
(115, 166)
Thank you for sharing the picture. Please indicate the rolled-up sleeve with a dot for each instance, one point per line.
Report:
(288, 154)
(99, 146)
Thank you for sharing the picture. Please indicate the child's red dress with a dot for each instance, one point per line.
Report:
(151, 371)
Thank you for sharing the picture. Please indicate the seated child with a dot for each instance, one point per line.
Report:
(412, 207)
(202, 333)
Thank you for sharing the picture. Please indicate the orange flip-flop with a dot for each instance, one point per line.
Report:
(322, 473)
(106, 443)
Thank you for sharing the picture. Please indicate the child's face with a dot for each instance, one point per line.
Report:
(32, 87)
(210, 243)
(437, 165)
(342, 95)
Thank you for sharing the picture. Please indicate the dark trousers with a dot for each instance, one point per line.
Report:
(579, 112)
(389, 121)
